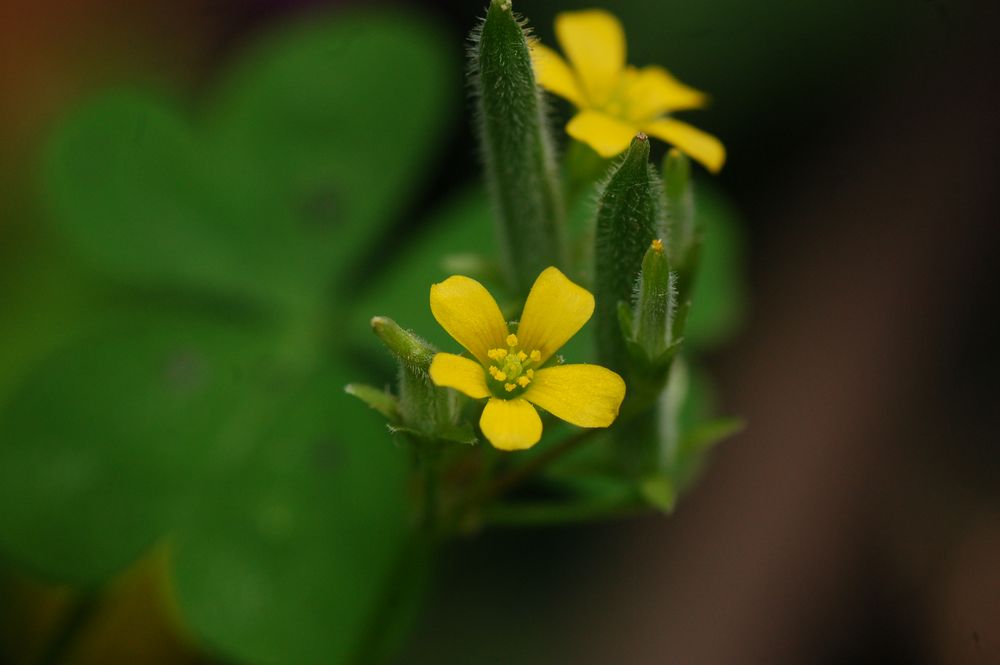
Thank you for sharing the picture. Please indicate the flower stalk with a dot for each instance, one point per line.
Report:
(516, 148)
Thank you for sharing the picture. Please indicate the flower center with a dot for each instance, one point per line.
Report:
(512, 369)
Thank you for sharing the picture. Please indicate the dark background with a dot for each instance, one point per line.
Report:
(857, 519)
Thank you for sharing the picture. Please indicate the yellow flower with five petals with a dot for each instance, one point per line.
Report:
(616, 101)
(512, 369)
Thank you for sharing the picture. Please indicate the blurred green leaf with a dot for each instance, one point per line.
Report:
(720, 299)
(704, 436)
(288, 555)
(402, 290)
(382, 401)
(131, 191)
(303, 157)
(325, 130)
(105, 437)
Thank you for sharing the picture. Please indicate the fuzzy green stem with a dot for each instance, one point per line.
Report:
(516, 147)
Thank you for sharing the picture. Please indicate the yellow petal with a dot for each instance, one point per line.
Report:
(652, 91)
(693, 142)
(451, 371)
(555, 310)
(608, 136)
(511, 424)
(553, 74)
(584, 395)
(594, 42)
(469, 313)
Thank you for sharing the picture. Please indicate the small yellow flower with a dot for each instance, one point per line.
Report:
(617, 101)
(511, 369)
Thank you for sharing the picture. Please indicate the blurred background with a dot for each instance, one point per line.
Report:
(856, 520)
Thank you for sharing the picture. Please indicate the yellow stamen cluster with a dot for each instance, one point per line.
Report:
(511, 366)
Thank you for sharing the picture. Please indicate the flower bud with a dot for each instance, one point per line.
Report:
(654, 304)
(629, 217)
(516, 147)
(423, 408)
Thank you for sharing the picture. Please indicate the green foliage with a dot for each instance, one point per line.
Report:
(208, 407)
(278, 184)
(516, 148)
(462, 225)
(106, 438)
(199, 400)
(288, 554)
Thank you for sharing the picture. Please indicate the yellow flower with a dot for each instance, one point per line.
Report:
(617, 101)
(510, 369)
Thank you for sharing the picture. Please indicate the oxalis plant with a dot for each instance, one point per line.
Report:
(177, 409)
(505, 408)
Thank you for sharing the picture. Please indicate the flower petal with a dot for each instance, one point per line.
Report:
(555, 310)
(652, 91)
(511, 424)
(469, 313)
(584, 395)
(594, 42)
(553, 74)
(693, 142)
(467, 376)
(608, 136)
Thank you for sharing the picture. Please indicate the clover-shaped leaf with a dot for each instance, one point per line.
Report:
(210, 425)
(288, 553)
(107, 436)
(295, 165)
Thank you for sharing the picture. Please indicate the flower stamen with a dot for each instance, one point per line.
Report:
(512, 369)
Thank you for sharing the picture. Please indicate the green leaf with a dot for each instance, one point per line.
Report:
(402, 289)
(381, 400)
(705, 435)
(288, 555)
(102, 441)
(659, 492)
(129, 189)
(324, 130)
(298, 163)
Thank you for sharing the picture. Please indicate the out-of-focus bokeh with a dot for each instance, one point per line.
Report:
(292, 168)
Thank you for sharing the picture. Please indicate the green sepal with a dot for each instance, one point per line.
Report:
(705, 436)
(381, 400)
(516, 148)
(423, 407)
(659, 492)
(684, 230)
(409, 348)
(654, 303)
(630, 214)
